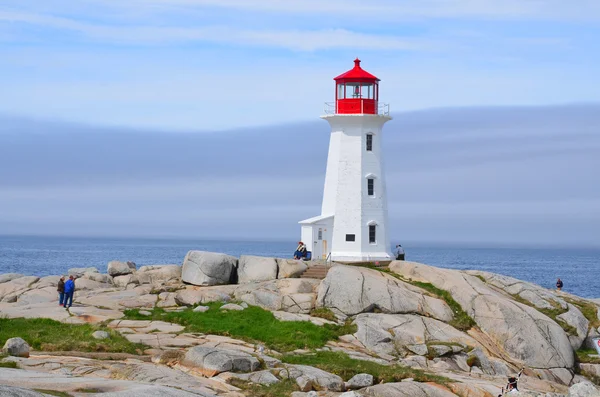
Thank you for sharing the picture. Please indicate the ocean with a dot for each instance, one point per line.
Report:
(41, 256)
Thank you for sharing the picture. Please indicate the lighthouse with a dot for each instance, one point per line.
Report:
(352, 226)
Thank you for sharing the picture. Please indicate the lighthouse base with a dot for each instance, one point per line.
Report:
(361, 257)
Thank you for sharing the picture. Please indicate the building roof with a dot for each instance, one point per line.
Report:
(356, 73)
(316, 219)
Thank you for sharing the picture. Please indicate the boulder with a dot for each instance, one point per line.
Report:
(407, 389)
(359, 381)
(308, 377)
(84, 284)
(195, 295)
(577, 320)
(253, 269)
(351, 290)
(38, 295)
(290, 268)
(101, 335)
(98, 277)
(158, 274)
(232, 306)
(12, 288)
(208, 268)
(290, 295)
(16, 347)
(211, 361)
(201, 309)
(6, 277)
(123, 281)
(118, 268)
(13, 391)
(583, 389)
(399, 334)
(78, 272)
(259, 377)
(524, 333)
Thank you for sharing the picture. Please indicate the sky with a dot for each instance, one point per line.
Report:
(184, 117)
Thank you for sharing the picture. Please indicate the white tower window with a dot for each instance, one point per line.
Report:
(371, 186)
(369, 142)
(372, 234)
(350, 237)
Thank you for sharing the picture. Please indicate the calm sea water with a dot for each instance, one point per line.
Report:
(40, 256)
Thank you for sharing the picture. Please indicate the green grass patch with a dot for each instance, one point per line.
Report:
(342, 365)
(9, 364)
(49, 335)
(323, 312)
(479, 276)
(461, 321)
(54, 393)
(552, 313)
(253, 324)
(588, 309)
(585, 356)
(88, 390)
(282, 389)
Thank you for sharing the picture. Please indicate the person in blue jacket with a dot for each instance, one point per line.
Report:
(69, 290)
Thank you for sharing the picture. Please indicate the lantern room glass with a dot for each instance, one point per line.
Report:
(356, 90)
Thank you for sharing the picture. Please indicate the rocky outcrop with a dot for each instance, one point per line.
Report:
(351, 290)
(78, 272)
(584, 389)
(158, 274)
(211, 361)
(309, 378)
(521, 331)
(407, 389)
(118, 268)
(14, 286)
(195, 295)
(402, 334)
(16, 347)
(253, 269)
(290, 295)
(291, 268)
(208, 268)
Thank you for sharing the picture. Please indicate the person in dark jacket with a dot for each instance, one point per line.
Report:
(559, 284)
(69, 290)
(61, 291)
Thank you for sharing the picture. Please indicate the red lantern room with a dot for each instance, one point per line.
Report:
(357, 91)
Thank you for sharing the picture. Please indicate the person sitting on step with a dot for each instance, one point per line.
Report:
(300, 251)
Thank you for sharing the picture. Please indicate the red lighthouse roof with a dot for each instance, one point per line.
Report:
(356, 74)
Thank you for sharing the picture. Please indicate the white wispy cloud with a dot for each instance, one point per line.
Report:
(396, 9)
(294, 39)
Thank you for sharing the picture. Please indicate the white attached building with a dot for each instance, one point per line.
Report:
(353, 221)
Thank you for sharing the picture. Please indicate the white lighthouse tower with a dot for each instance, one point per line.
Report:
(352, 226)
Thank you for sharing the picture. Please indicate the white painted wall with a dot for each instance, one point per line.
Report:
(345, 192)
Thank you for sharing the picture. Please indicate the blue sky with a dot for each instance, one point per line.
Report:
(178, 117)
(163, 63)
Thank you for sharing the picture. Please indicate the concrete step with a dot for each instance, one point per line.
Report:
(318, 272)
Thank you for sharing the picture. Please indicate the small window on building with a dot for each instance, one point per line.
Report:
(320, 234)
(372, 234)
(350, 237)
(371, 187)
(369, 142)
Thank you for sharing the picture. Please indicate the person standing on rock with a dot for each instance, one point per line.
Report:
(399, 253)
(69, 290)
(61, 291)
(559, 284)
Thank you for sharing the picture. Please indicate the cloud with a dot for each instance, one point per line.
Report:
(503, 174)
(293, 39)
(399, 10)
